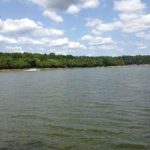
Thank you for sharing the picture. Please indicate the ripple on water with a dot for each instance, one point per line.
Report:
(75, 109)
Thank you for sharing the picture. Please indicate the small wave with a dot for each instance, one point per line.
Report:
(129, 146)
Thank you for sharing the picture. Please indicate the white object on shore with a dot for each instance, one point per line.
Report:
(32, 69)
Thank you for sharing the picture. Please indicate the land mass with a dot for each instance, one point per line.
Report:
(30, 60)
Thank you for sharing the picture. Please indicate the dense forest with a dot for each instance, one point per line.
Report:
(29, 60)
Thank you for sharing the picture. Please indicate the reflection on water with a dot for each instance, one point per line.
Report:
(76, 109)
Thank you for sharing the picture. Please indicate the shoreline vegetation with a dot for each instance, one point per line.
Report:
(36, 62)
(61, 68)
(47, 69)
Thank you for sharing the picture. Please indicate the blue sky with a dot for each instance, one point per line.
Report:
(77, 27)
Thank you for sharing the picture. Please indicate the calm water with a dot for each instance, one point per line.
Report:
(76, 109)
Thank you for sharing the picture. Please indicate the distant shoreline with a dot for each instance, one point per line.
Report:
(44, 69)
(36, 62)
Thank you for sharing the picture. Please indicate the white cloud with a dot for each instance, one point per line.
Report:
(46, 42)
(27, 26)
(48, 32)
(63, 43)
(15, 49)
(86, 38)
(129, 6)
(73, 9)
(141, 46)
(58, 5)
(16, 43)
(17, 25)
(57, 42)
(132, 18)
(52, 7)
(29, 41)
(99, 26)
(135, 22)
(99, 42)
(144, 35)
(76, 45)
(90, 3)
(8, 40)
(53, 16)
(127, 22)
(133, 15)
(82, 4)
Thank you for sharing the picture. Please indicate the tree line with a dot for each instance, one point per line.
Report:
(30, 60)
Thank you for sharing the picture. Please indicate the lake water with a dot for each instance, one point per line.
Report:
(76, 109)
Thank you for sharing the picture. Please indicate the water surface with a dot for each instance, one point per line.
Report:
(76, 109)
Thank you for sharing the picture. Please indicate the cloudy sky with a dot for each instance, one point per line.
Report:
(77, 27)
